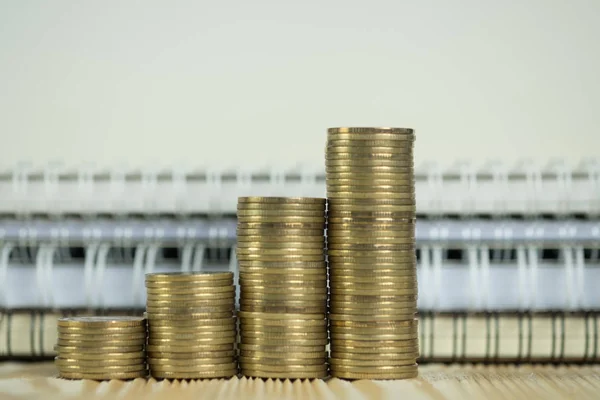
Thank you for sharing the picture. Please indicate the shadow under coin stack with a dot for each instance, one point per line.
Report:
(191, 325)
(283, 287)
(101, 348)
(371, 253)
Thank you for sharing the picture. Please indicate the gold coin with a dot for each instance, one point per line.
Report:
(374, 266)
(188, 286)
(284, 342)
(283, 278)
(267, 290)
(266, 246)
(370, 130)
(61, 362)
(193, 368)
(100, 348)
(352, 156)
(195, 329)
(366, 175)
(101, 331)
(371, 247)
(272, 234)
(396, 204)
(103, 376)
(156, 337)
(281, 200)
(344, 362)
(188, 348)
(187, 316)
(369, 353)
(197, 323)
(370, 236)
(391, 215)
(209, 340)
(377, 355)
(194, 374)
(281, 206)
(336, 293)
(280, 240)
(275, 212)
(304, 297)
(357, 148)
(281, 225)
(397, 312)
(101, 322)
(375, 332)
(102, 369)
(181, 357)
(188, 276)
(102, 337)
(182, 303)
(191, 298)
(380, 305)
(382, 170)
(317, 355)
(318, 271)
(198, 291)
(398, 284)
(405, 191)
(106, 343)
(77, 354)
(375, 376)
(280, 219)
(371, 253)
(276, 361)
(283, 265)
(337, 343)
(252, 333)
(279, 251)
(361, 131)
(372, 281)
(279, 283)
(258, 373)
(282, 349)
(404, 162)
(377, 369)
(375, 324)
(210, 310)
(281, 257)
(273, 317)
(379, 299)
(284, 367)
(284, 325)
(373, 317)
(292, 302)
(380, 337)
(283, 308)
(192, 362)
(354, 240)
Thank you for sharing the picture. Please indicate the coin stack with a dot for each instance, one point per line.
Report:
(283, 287)
(101, 348)
(191, 325)
(371, 253)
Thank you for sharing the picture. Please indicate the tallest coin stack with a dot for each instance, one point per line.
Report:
(371, 252)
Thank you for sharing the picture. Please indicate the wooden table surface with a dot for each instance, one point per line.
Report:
(436, 382)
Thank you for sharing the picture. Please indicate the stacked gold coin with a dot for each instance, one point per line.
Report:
(283, 287)
(371, 253)
(191, 325)
(101, 348)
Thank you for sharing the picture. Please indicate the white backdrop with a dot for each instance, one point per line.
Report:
(257, 82)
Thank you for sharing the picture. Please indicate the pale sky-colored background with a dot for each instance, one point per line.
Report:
(255, 82)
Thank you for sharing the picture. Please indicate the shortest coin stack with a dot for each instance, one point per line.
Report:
(191, 326)
(101, 348)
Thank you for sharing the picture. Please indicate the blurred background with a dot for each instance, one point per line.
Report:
(129, 129)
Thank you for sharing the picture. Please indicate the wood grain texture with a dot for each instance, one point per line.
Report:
(436, 382)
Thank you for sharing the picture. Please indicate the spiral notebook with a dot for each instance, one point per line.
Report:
(492, 337)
